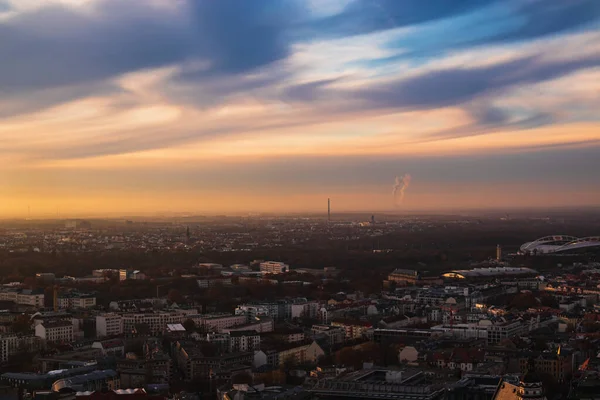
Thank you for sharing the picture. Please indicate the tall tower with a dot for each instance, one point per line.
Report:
(328, 210)
(499, 253)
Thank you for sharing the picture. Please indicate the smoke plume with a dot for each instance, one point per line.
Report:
(400, 186)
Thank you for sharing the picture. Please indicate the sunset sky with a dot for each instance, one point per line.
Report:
(232, 106)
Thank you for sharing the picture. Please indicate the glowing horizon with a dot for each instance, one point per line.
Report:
(212, 107)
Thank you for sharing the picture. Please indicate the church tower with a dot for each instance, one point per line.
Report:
(531, 387)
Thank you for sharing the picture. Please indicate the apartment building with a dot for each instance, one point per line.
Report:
(156, 321)
(109, 325)
(335, 334)
(296, 355)
(196, 366)
(243, 341)
(218, 322)
(274, 267)
(11, 344)
(280, 310)
(262, 325)
(307, 309)
(34, 298)
(76, 300)
(55, 331)
(31, 298)
(353, 329)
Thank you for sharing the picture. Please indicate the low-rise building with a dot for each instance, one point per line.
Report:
(156, 321)
(274, 267)
(300, 354)
(211, 282)
(218, 322)
(261, 325)
(27, 297)
(110, 347)
(353, 329)
(109, 324)
(76, 300)
(55, 331)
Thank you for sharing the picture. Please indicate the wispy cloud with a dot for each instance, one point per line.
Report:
(110, 85)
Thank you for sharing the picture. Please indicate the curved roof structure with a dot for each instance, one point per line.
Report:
(497, 272)
(559, 244)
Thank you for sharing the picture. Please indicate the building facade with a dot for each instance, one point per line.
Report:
(274, 267)
(109, 325)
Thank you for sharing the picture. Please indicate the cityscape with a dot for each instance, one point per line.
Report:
(299, 199)
(333, 306)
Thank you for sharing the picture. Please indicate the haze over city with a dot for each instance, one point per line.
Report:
(133, 107)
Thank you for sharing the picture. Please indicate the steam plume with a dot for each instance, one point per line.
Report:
(400, 186)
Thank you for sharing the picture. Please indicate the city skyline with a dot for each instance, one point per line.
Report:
(225, 107)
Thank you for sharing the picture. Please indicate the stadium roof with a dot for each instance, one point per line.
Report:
(489, 272)
(559, 244)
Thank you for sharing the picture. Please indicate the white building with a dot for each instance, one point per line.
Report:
(274, 267)
(76, 301)
(218, 322)
(485, 329)
(25, 297)
(156, 321)
(109, 325)
(243, 341)
(30, 298)
(58, 331)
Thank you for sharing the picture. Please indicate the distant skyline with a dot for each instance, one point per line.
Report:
(141, 107)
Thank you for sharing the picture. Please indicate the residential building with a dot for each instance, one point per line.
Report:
(8, 346)
(262, 325)
(295, 354)
(274, 267)
(34, 298)
(557, 364)
(110, 347)
(55, 331)
(76, 300)
(335, 334)
(244, 341)
(197, 367)
(109, 324)
(218, 322)
(353, 329)
(156, 321)
(307, 309)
